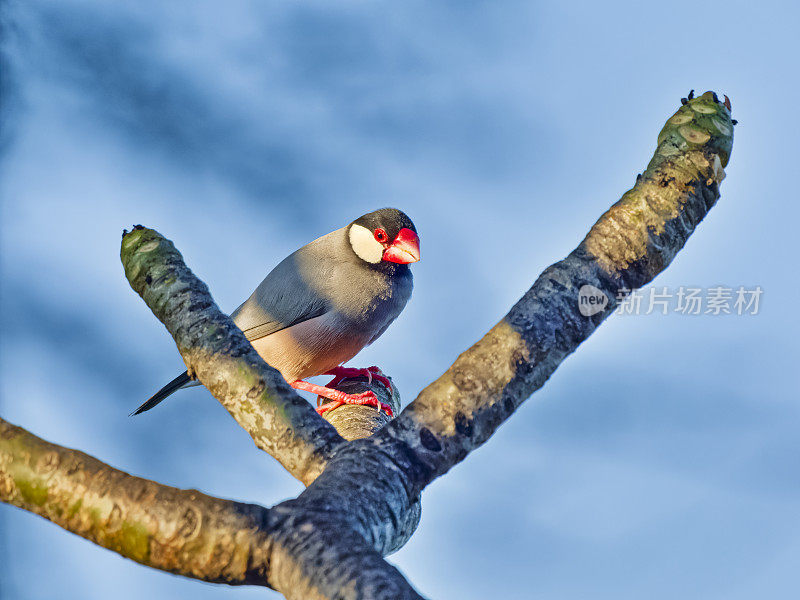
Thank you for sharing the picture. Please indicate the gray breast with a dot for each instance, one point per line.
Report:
(367, 296)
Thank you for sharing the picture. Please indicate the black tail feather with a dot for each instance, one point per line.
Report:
(165, 391)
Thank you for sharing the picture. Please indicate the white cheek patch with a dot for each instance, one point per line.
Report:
(365, 245)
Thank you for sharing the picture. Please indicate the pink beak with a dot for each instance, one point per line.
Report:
(404, 249)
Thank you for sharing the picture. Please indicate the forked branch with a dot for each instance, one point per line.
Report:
(362, 500)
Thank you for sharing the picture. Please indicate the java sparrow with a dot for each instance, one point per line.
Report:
(325, 302)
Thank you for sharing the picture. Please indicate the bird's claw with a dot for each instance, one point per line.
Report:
(338, 398)
(367, 398)
(377, 374)
(370, 373)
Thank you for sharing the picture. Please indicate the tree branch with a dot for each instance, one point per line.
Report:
(304, 548)
(180, 531)
(216, 351)
(354, 422)
(628, 246)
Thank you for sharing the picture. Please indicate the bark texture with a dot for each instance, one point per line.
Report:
(303, 548)
(362, 499)
(354, 421)
(180, 531)
(626, 248)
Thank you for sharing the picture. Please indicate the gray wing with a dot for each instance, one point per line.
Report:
(293, 292)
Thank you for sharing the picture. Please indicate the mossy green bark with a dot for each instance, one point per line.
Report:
(159, 526)
(312, 547)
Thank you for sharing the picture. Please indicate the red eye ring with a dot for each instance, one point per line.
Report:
(381, 236)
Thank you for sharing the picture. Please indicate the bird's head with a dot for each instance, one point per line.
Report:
(385, 235)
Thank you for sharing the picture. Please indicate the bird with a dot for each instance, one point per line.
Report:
(325, 302)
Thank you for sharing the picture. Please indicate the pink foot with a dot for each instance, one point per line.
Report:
(338, 397)
(370, 373)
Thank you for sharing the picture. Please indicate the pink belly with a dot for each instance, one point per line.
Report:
(309, 348)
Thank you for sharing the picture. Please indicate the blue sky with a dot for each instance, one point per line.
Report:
(661, 460)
